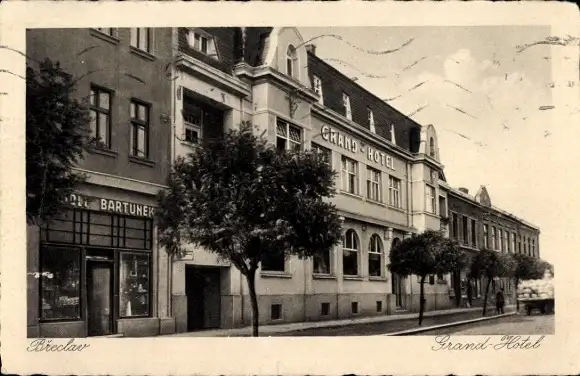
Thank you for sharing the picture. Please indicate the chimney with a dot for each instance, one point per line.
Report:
(464, 190)
(311, 48)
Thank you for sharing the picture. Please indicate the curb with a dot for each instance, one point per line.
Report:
(448, 325)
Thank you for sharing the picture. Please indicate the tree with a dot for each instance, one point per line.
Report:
(424, 254)
(56, 138)
(240, 198)
(526, 267)
(491, 264)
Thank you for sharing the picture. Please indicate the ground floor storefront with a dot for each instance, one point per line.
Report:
(94, 270)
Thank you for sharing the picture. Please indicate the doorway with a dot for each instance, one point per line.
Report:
(99, 298)
(203, 290)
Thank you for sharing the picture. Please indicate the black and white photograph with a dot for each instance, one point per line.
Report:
(373, 182)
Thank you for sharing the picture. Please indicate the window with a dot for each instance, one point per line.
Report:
(431, 279)
(192, 133)
(454, 225)
(473, 233)
(273, 262)
(513, 243)
(519, 244)
(375, 256)
(350, 253)
(465, 230)
(371, 119)
(100, 116)
(394, 192)
(506, 241)
(442, 207)
(106, 30)
(430, 199)
(493, 238)
(379, 306)
(485, 236)
(500, 236)
(354, 307)
(325, 309)
(202, 42)
(321, 263)
(288, 137)
(349, 175)
(374, 186)
(291, 62)
(393, 140)
(139, 129)
(275, 311)
(193, 118)
(141, 39)
(533, 247)
(325, 152)
(60, 286)
(432, 147)
(346, 104)
(134, 284)
(317, 87)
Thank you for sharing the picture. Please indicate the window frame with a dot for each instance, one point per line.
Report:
(98, 110)
(149, 257)
(375, 239)
(347, 175)
(110, 33)
(371, 120)
(354, 241)
(148, 40)
(317, 88)
(136, 122)
(292, 62)
(395, 187)
(347, 106)
(374, 186)
(465, 230)
(485, 235)
(473, 232)
(430, 196)
(494, 238)
(284, 264)
(288, 142)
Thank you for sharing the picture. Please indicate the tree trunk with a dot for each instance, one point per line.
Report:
(486, 294)
(421, 300)
(251, 278)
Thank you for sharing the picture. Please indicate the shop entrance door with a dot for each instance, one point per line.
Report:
(99, 298)
(202, 287)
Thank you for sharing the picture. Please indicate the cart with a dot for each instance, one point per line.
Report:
(543, 305)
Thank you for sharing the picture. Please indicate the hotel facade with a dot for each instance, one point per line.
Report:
(390, 184)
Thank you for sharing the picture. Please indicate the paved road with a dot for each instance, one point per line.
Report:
(517, 325)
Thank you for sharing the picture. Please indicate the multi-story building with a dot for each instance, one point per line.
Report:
(476, 224)
(103, 272)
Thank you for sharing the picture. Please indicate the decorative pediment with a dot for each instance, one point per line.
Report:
(482, 197)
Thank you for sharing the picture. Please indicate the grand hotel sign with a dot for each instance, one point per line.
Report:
(346, 142)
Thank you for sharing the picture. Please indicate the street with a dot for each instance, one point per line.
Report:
(517, 324)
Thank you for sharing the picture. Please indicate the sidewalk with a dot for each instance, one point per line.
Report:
(279, 329)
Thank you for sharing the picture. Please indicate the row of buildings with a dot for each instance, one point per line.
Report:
(155, 94)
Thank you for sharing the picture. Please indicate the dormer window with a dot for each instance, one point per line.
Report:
(291, 62)
(432, 147)
(317, 87)
(202, 42)
(371, 119)
(393, 140)
(346, 104)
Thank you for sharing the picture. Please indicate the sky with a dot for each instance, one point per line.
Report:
(489, 100)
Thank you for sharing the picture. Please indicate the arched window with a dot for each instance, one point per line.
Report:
(291, 62)
(350, 249)
(375, 256)
(432, 147)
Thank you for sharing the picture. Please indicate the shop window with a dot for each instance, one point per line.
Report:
(60, 283)
(141, 39)
(350, 250)
(276, 311)
(288, 136)
(394, 192)
(379, 306)
(134, 283)
(274, 262)
(322, 263)
(374, 185)
(325, 309)
(354, 307)
(349, 175)
(375, 256)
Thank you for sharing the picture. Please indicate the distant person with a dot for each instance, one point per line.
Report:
(499, 302)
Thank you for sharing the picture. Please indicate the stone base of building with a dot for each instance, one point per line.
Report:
(139, 327)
